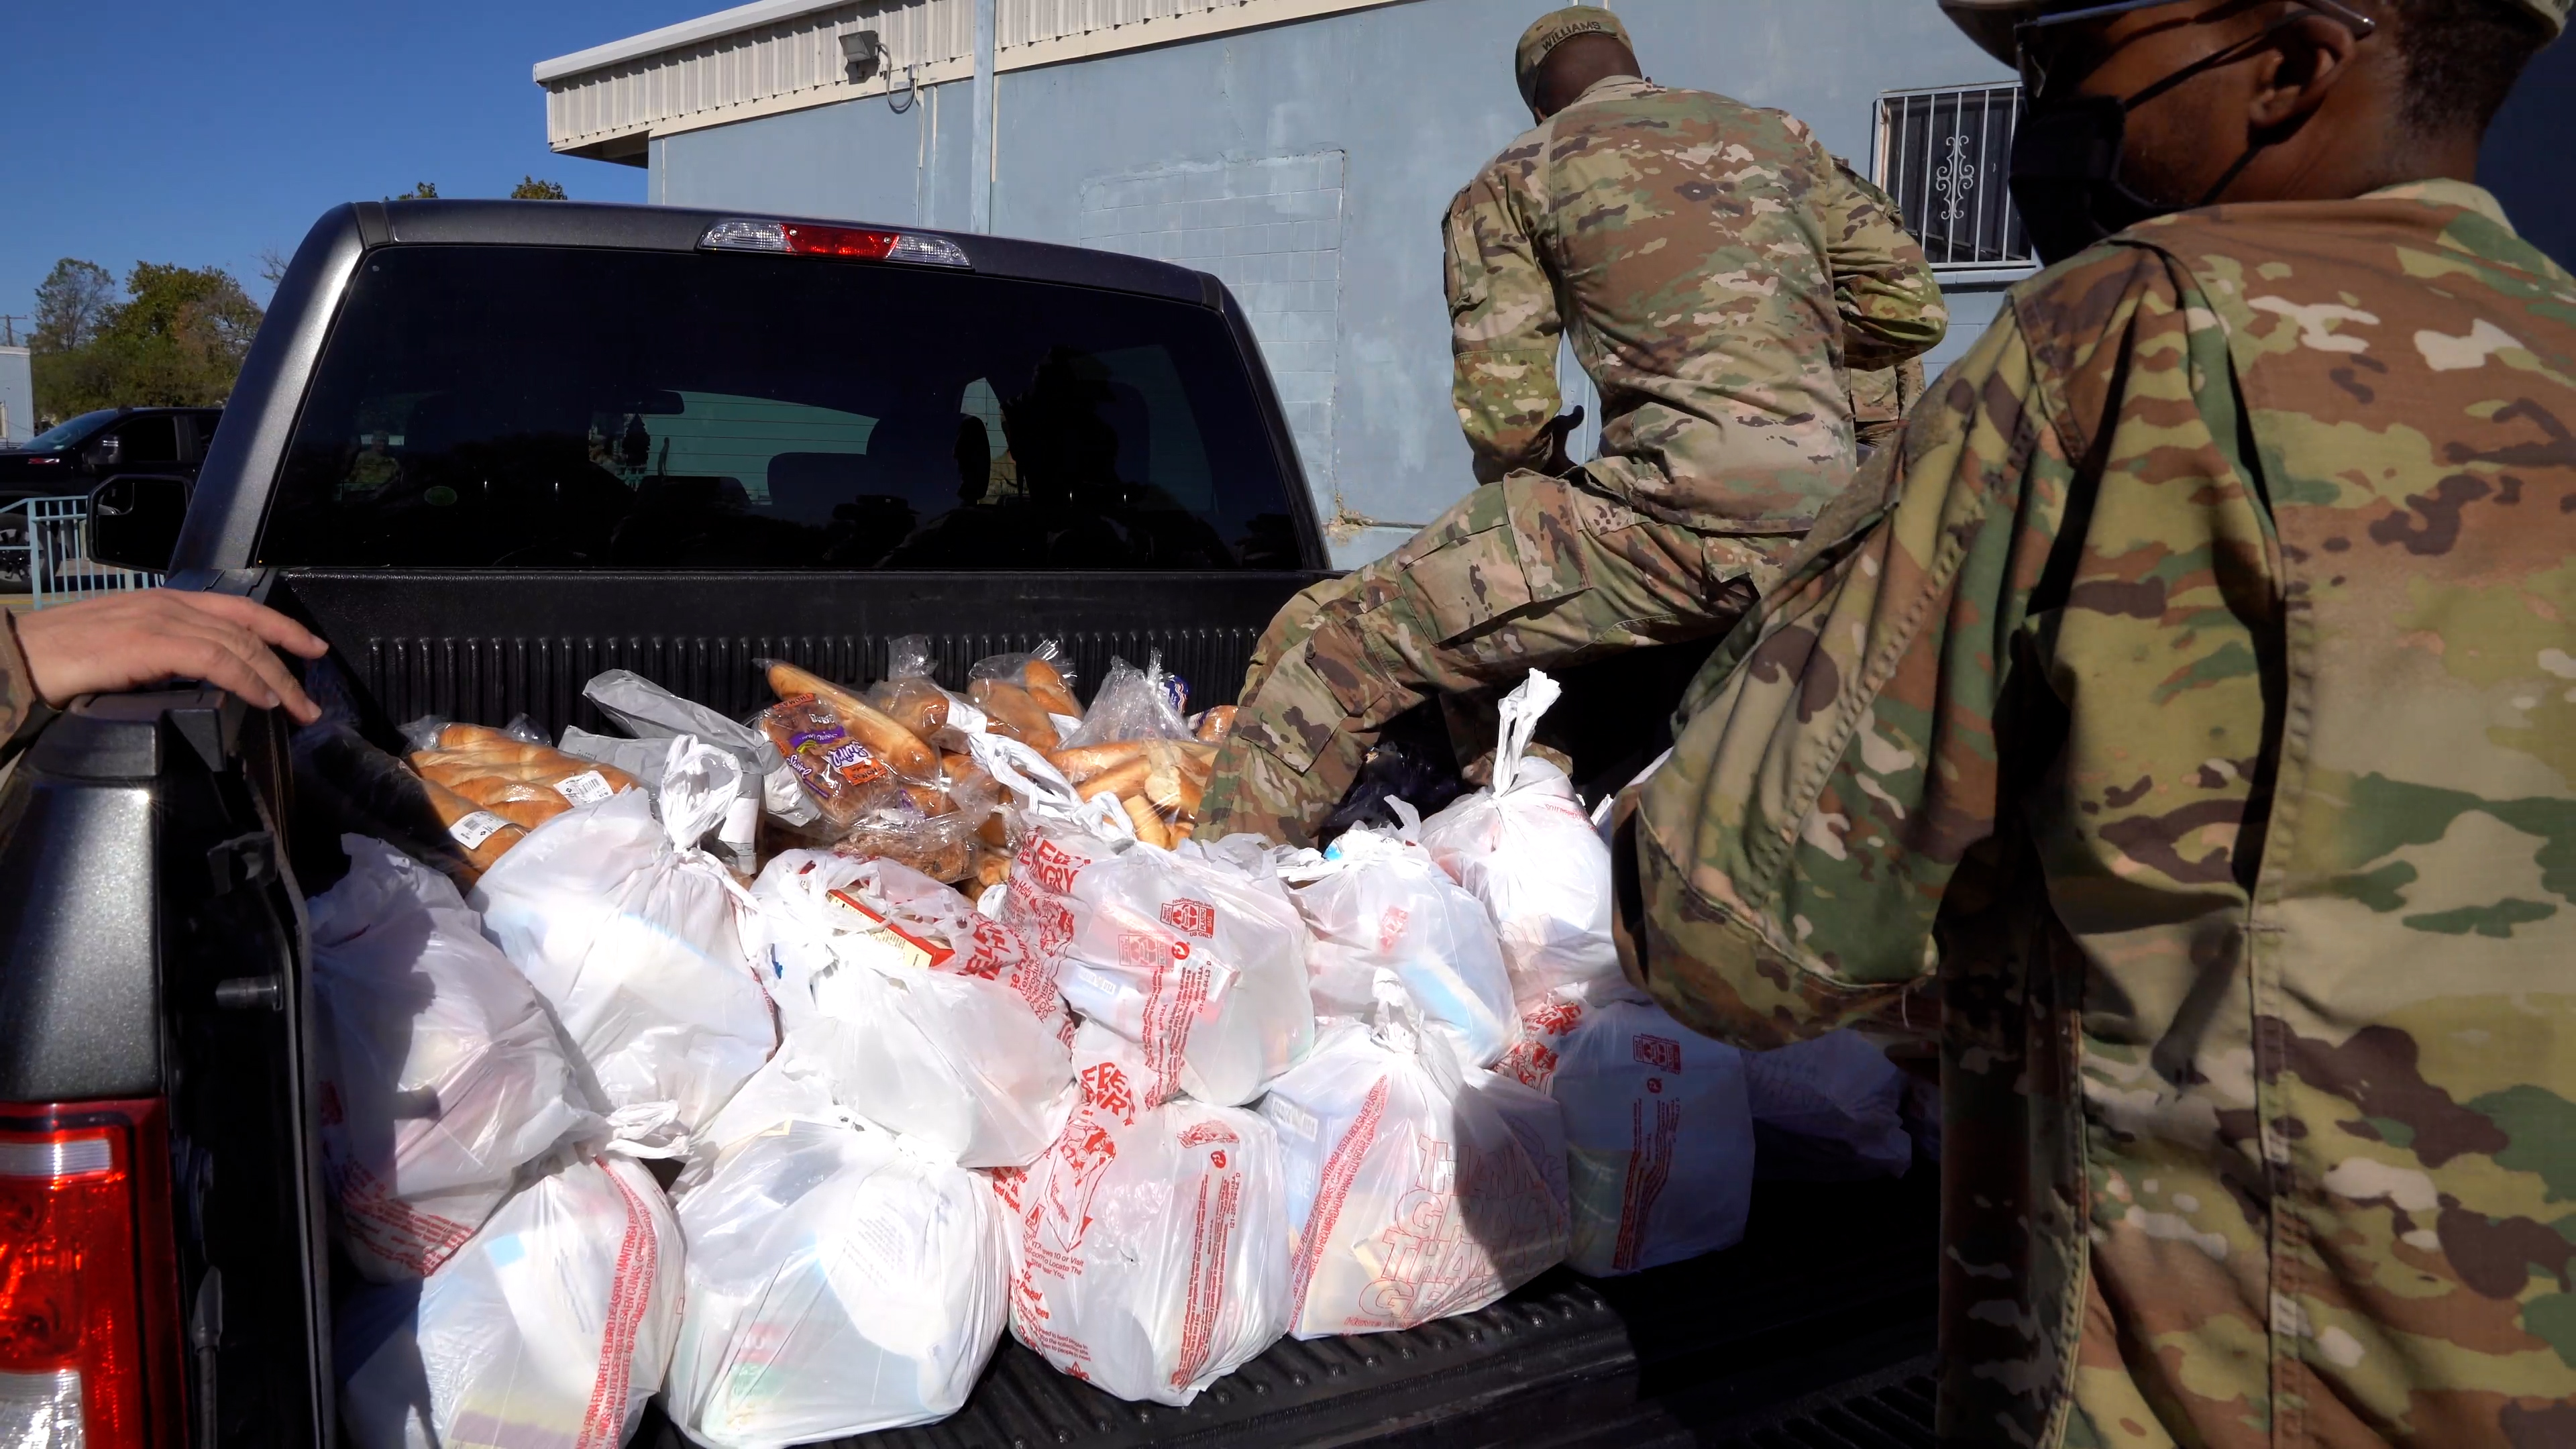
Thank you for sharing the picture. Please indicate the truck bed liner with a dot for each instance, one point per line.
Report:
(485, 647)
(1822, 1316)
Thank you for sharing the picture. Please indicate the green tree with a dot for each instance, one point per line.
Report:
(531, 189)
(176, 339)
(71, 302)
(420, 191)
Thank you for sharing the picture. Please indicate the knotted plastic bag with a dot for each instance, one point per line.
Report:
(552, 1325)
(651, 713)
(1829, 1110)
(1377, 902)
(1417, 1190)
(440, 1072)
(1525, 848)
(1658, 1128)
(922, 1015)
(1197, 961)
(1153, 1255)
(840, 1281)
(633, 935)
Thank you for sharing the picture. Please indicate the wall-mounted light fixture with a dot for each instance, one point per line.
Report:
(862, 52)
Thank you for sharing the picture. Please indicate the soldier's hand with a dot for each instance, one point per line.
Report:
(126, 641)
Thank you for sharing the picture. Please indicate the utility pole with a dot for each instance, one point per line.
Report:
(9, 328)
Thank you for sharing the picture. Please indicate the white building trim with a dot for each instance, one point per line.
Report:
(607, 102)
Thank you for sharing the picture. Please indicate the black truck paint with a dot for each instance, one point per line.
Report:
(151, 931)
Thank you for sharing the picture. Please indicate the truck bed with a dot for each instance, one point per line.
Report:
(1815, 1330)
(160, 844)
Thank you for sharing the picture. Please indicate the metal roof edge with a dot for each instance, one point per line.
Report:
(672, 37)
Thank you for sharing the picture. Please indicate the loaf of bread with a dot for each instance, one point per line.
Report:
(1048, 688)
(1172, 789)
(1014, 712)
(900, 748)
(843, 776)
(912, 702)
(462, 736)
(1086, 761)
(1216, 724)
(1126, 779)
(526, 784)
(1149, 826)
(481, 835)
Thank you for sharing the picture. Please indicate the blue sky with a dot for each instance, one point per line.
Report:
(200, 133)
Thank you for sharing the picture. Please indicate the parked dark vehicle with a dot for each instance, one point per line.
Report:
(73, 457)
(491, 449)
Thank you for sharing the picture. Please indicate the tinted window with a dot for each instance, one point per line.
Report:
(153, 439)
(537, 407)
(72, 430)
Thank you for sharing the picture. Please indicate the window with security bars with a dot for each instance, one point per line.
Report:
(1944, 155)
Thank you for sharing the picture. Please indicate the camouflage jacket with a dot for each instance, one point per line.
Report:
(17, 683)
(1880, 401)
(2196, 686)
(1718, 272)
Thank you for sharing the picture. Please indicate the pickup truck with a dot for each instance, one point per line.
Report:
(70, 458)
(488, 450)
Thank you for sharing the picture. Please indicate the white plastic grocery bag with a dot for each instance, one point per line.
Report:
(1376, 901)
(552, 1326)
(655, 715)
(917, 1009)
(1198, 962)
(1153, 1256)
(631, 933)
(840, 1280)
(807, 897)
(1409, 1185)
(1828, 1110)
(790, 1087)
(441, 1074)
(1658, 1129)
(1525, 848)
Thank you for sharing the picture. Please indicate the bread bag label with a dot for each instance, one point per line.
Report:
(472, 830)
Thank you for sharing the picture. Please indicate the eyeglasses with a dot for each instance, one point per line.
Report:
(2038, 58)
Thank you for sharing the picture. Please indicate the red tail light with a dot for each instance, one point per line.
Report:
(88, 1290)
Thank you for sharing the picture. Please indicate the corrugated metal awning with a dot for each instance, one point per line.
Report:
(782, 55)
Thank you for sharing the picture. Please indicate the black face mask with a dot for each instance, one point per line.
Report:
(2066, 175)
(2066, 163)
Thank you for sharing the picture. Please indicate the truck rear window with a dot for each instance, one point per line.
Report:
(497, 407)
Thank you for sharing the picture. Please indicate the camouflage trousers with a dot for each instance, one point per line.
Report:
(1530, 572)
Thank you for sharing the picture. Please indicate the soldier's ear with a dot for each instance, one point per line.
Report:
(2308, 58)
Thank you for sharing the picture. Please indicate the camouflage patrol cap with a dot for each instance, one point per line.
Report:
(1990, 22)
(1553, 29)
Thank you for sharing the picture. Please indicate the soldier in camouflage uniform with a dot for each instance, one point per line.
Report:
(2191, 694)
(1880, 400)
(50, 657)
(1880, 397)
(1718, 273)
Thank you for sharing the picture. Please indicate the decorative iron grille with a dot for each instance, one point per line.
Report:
(1944, 154)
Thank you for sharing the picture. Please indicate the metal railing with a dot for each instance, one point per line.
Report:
(1944, 155)
(53, 553)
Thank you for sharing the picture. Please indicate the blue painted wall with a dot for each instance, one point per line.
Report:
(1416, 96)
(2526, 162)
